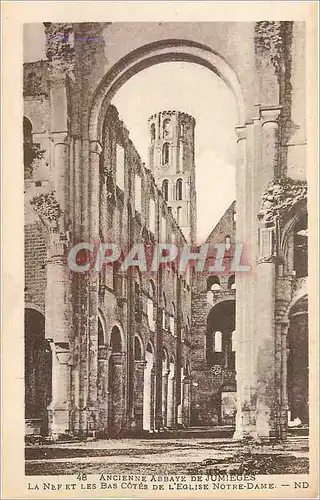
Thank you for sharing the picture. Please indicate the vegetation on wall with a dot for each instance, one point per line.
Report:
(280, 197)
(47, 208)
(31, 152)
(269, 42)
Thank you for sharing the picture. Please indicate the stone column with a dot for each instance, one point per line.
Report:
(102, 388)
(147, 396)
(186, 402)
(265, 348)
(138, 393)
(243, 337)
(171, 402)
(153, 399)
(284, 405)
(165, 375)
(57, 328)
(59, 408)
(264, 392)
(270, 145)
(94, 198)
(117, 393)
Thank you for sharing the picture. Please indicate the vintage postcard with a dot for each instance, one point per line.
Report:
(160, 263)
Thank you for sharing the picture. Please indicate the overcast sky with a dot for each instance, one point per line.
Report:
(185, 87)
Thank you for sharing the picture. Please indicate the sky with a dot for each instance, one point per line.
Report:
(184, 87)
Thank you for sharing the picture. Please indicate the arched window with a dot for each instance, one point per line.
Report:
(153, 131)
(167, 128)
(165, 153)
(218, 342)
(100, 333)
(228, 242)
(137, 349)
(115, 341)
(213, 284)
(165, 189)
(179, 209)
(231, 282)
(182, 128)
(179, 189)
(300, 251)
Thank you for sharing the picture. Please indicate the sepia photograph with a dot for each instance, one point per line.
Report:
(165, 183)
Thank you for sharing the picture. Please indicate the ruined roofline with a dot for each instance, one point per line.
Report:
(217, 224)
(182, 114)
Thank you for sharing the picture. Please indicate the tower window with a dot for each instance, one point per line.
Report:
(153, 131)
(167, 128)
(165, 153)
(228, 243)
(165, 189)
(179, 190)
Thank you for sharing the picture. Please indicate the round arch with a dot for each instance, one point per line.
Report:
(102, 320)
(118, 325)
(155, 53)
(31, 305)
(298, 211)
(138, 347)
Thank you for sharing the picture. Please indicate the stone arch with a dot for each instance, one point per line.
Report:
(171, 394)
(139, 353)
(115, 340)
(221, 318)
(31, 305)
(116, 381)
(297, 363)
(102, 327)
(155, 53)
(119, 328)
(298, 211)
(149, 388)
(213, 281)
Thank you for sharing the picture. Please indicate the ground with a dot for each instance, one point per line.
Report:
(169, 456)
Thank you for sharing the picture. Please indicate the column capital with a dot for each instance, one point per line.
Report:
(118, 358)
(140, 362)
(95, 147)
(241, 132)
(269, 114)
(61, 137)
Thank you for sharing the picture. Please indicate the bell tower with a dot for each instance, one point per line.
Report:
(171, 160)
